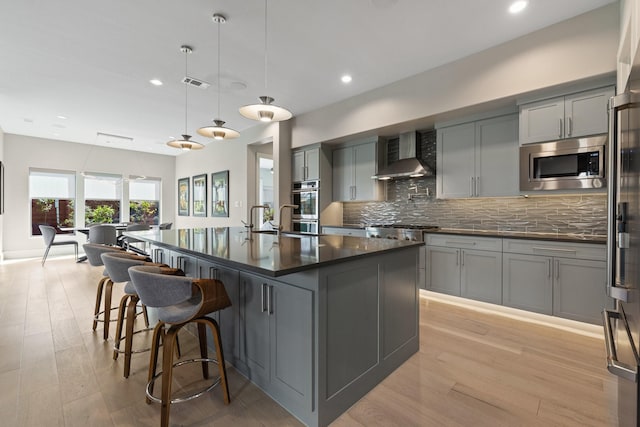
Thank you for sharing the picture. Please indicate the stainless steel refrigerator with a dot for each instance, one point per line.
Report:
(622, 324)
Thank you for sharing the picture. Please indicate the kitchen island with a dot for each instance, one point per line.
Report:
(315, 321)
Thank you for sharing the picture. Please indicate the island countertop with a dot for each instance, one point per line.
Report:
(267, 254)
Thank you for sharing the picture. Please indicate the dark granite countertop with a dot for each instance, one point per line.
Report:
(266, 253)
(570, 238)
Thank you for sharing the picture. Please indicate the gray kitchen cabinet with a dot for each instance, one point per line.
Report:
(465, 266)
(571, 116)
(227, 318)
(478, 159)
(563, 279)
(527, 282)
(276, 326)
(353, 167)
(306, 165)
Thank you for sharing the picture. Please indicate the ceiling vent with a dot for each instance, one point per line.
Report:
(107, 138)
(195, 82)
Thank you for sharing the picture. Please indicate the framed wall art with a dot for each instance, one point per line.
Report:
(183, 197)
(220, 194)
(200, 195)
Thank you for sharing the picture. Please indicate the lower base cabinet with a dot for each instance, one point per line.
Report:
(454, 269)
(276, 326)
(554, 278)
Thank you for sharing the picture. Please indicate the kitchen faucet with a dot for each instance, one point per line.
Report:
(280, 214)
(251, 214)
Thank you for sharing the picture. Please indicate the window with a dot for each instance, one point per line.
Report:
(53, 196)
(102, 196)
(144, 201)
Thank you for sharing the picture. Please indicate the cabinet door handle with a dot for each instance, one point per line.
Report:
(472, 185)
(270, 299)
(560, 128)
(477, 186)
(213, 273)
(557, 268)
(457, 257)
(462, 258)
(569, 126)
(181, 262)
(263, 308)
(549, 268)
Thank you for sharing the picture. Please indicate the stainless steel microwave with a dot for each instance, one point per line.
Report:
(569, 164)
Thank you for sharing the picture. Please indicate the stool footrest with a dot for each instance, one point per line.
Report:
(215, 383)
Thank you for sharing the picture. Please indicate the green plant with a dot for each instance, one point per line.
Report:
(100, 214)
(144, 211)
(46, 205)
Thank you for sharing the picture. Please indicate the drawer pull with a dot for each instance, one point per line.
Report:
(461, 243)
(560, 251)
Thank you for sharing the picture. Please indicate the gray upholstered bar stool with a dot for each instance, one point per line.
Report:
(94, 252)
(179, 301)
(117, 267)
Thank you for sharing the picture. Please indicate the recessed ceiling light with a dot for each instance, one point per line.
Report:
(346, 78)
(62, 117)
(518, 6)
(156, 82)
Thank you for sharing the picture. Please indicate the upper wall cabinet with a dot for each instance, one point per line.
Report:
(570, 116)
(478, 159)
(353, 168)
(306, 165)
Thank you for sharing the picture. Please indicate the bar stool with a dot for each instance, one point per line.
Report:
(117, 266)
(94, 252)
(179, 301)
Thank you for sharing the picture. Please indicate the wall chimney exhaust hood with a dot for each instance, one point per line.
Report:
(409, 164)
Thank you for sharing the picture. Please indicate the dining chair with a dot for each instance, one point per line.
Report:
(105, 234)
(126, 241)
(49, 235)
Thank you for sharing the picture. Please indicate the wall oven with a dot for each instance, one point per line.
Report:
(305, 195)
(564, 165)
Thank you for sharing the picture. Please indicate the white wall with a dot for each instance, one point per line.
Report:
(23, 152)
(238, 156)
(2, 236)
(578, 49)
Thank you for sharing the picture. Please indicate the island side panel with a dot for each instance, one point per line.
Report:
(353, 300)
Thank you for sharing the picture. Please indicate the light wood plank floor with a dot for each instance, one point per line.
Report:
(473, 369)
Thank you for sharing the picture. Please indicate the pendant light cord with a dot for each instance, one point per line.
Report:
(186, 88)
(266, 54)
(219, 24)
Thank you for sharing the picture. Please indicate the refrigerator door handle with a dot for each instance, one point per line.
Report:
(614, 366)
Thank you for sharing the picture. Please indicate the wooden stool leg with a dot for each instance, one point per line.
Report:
(128, 340)
(121, 313)
(107, 308)
(202, 336)
(145, 314)
(215, 329)
(167, 372)
(98, 301)
(158, 333)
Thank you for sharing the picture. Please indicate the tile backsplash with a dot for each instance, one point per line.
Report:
(584, 214)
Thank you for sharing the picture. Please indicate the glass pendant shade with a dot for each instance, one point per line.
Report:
(218, 131)
(265, 111)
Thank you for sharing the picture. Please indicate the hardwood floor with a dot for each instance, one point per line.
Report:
(473, 368)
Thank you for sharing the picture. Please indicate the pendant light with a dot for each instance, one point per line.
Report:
(265, 111)
(218, 131)
(185, 143)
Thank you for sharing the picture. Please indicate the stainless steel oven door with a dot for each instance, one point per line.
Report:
(307, 201)
(305, 226)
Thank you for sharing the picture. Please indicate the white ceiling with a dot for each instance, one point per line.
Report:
(91, 61)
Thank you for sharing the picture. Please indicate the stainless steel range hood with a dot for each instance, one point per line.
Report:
(408, 165)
